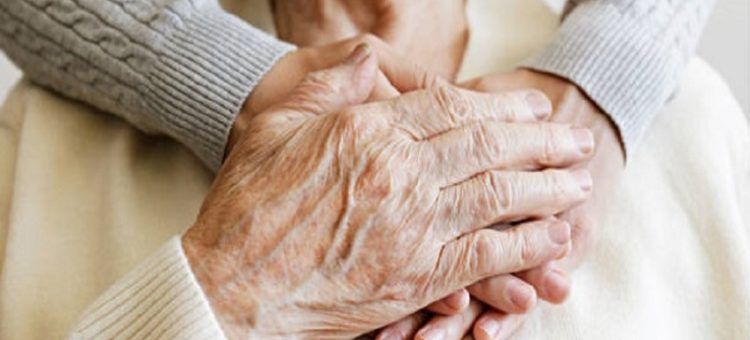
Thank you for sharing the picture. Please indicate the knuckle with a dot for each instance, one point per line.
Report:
(510, 106)
(378, 177)
(351, 122)
(315, 83)
(368, 38)
(502, 200)
(316, 78)
(491, 140)
(483, 253)
(450, 100)
(551, 148)
(557, 185)
(528, 253)
(519, 246)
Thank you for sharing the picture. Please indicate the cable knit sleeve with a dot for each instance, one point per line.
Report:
(625, 54)
(181, 68)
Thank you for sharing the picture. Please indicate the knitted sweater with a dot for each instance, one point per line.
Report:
(184, 67)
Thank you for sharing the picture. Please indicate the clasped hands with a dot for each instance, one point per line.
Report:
(332, 217)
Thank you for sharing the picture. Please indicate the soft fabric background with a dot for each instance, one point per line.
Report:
(726, 46)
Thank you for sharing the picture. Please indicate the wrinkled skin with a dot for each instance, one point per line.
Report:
(434, 34)
(572, 106)
(330, 218)
(318, 22)
(501, 318)
(289, 71)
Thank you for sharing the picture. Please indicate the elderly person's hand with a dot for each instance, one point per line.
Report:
(289, 71)
(508, 297)
(328, 220)
(432, 33)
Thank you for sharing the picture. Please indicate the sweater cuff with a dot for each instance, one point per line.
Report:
(159, 299)
(617, 60)
(215, 60)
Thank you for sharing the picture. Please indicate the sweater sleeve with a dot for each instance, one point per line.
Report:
(625, 54)
(159, 299)
(182, 68)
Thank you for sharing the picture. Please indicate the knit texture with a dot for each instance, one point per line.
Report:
(626, 55)
(159, 299)
(176, 67)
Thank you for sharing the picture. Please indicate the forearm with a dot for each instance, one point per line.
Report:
(625, 55)
(180, 68)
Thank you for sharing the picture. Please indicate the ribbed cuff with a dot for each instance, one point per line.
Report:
(618, 61)
(215, 60)
(159, 299)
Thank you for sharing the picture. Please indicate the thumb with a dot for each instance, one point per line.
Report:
(349, 83)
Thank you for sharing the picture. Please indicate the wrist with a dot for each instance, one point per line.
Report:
(214, 276)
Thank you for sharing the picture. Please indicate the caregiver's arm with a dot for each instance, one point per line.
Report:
(626, 55)
(178, 67)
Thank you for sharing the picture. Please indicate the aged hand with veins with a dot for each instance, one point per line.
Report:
(499, 304)
(361, 214)
(289, 71)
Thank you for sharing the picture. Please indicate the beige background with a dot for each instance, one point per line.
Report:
(725, 45)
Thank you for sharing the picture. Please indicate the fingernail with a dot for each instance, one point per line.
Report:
(584, 139)
(539, 104)
(431, 334)
(559, 233)
(519, 294)
(583, 177)
(360, 53)
(556, 285)
(458, 301)
(491, 328)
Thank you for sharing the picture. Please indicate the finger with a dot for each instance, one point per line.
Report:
(404, 328)
(495, 325)
(428, 113)
(583, 231)
(502, 82)
(346, 84)
(450, 326)
(383, 89)
(497, 145)
(487, 252)
(498, 197)
(405, 75)
(452, 304)
(505, 293)
(551, 282)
